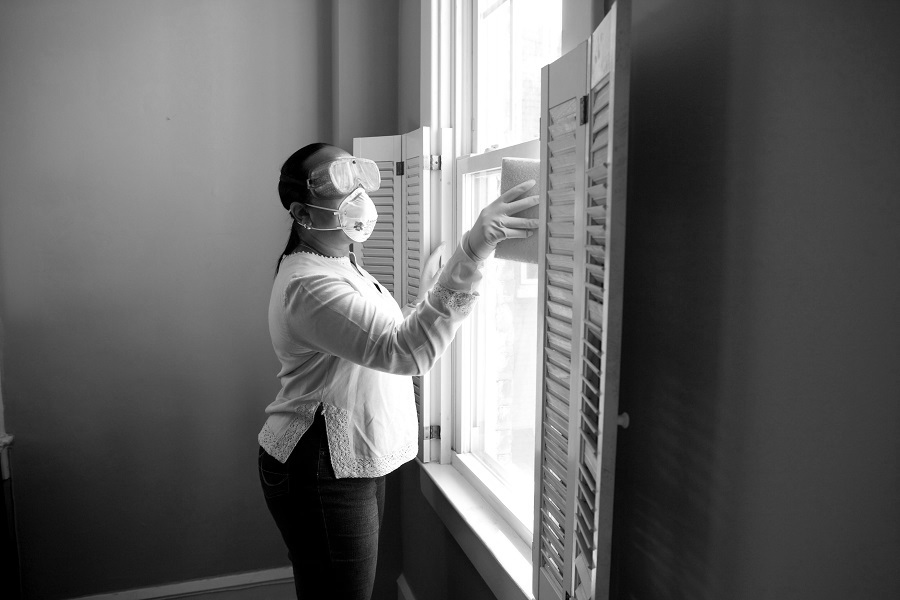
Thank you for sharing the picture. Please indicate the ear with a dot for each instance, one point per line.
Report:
(300, 213)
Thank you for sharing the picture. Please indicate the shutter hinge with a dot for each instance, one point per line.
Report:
(433, 432)
(434, 162)
(400, 168)
(584, 110)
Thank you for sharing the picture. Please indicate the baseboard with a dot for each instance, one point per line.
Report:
(208, 588)
(403, 591)
(228, 584)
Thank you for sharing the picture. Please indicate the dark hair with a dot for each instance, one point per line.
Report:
(292, 243)
(290, 189)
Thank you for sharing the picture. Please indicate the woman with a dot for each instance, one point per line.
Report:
(345, 415)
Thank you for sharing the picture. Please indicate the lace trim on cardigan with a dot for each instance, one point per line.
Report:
(280, 447)
(461, 302)
(336, 258)
(343, 461)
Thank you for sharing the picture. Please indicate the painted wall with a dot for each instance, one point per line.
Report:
(364, 80)
(761, 340)
(409, 59)
(139, 226)
(434, 565)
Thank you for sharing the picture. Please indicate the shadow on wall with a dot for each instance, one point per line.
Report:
(668, 497)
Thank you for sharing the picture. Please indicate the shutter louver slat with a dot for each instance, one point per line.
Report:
(562, 212)
(563, 196)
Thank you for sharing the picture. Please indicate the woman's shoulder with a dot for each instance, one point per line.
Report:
(313, 272)
(300, 264)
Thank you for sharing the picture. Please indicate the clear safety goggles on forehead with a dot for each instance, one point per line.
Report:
(341, 176)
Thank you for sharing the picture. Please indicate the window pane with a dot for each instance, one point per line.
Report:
(516, 38)
(501, 351)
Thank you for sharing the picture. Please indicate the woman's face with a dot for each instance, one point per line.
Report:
(316, 217)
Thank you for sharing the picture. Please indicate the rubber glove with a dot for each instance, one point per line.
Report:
(429, 273)
(494, 223)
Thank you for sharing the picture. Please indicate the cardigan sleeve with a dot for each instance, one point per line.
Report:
(327, 314)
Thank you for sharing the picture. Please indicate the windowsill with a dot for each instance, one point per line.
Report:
(494, 547)
(514, 508)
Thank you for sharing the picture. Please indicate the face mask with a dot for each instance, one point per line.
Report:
(357, 215)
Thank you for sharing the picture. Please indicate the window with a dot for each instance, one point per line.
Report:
(495, 360)
(568, 381)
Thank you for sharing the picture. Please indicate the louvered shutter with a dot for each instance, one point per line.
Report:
(416, 242)
(562, 177)
(394, 252)
(582, 309)
(603, 277)
(381, 254)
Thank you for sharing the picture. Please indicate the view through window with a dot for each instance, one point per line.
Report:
(501, 351)
(515, 39)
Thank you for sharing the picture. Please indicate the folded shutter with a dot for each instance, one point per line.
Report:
(416, 243)
(381, 254)
(401, 239)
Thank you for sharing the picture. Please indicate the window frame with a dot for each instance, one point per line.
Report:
(460, 93)
(495, 491)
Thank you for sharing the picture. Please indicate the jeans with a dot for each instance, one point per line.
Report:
(330, 526)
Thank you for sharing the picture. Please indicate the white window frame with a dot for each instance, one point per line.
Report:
(464, 32)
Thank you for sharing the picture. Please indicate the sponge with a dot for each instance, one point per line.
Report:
(514, 171)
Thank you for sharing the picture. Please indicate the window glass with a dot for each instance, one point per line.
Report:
(501, 349)
(515, 39)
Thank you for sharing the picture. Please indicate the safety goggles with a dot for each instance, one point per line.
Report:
(341, 176)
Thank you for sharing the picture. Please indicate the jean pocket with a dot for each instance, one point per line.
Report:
(324, 470)
(274, 483)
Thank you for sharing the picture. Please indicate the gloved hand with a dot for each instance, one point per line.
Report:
(428, 272)
(494, 223)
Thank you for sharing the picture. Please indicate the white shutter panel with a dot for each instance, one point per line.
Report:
(380, 254)
(602, 279)
(416, 243)
(581, 283)
(562, 175)
(402, 237)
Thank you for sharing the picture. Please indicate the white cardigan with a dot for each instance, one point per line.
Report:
(344, 343)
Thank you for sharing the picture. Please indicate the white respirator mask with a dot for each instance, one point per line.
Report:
(357, 215)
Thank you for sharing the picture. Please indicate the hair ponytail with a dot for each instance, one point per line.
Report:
(292, 243)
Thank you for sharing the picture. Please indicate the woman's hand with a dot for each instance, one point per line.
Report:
(495, 224)
(430, 270)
